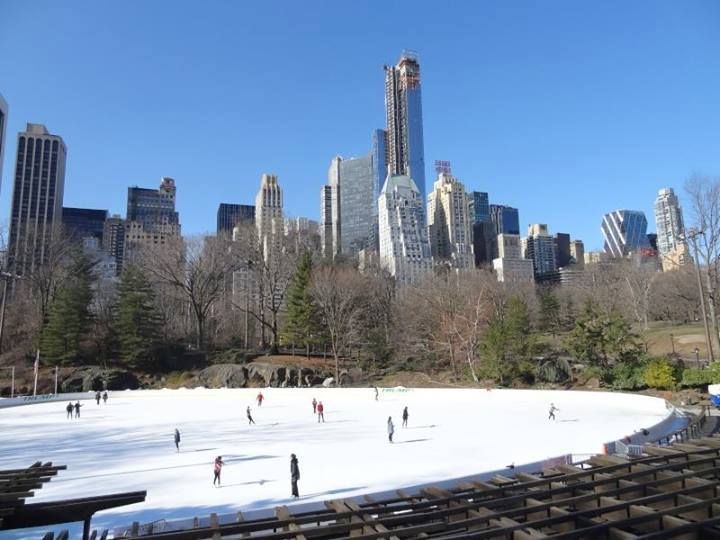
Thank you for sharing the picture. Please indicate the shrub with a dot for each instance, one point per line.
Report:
(628, 376)
(701, 376)
(659, 373)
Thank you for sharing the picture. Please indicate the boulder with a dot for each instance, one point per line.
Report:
(223, 375)
(97, 378)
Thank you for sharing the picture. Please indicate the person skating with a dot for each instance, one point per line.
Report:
(551, 413)
(321, 412)
(217, 469)
(249, 416)
(390, 428)
(377, 393)
(69, 410)
(177, 439)
(97, 397)
(405, 416)
(294, 475)
(314, 403)
(77, 409)
(105, 397)
(260, 398)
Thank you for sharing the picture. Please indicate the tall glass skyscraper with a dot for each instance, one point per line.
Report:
(403, 113)
(505, 218)
(479, 207)
(669, 222)
(624, 231)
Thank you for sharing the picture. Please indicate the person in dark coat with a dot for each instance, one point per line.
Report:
(551, 413)
(77, 409)
(314, 403)
(177, 439)
(390, 428)
(105, 397)
(405, 417)
(69, 410)
(249, 416)
(377, 393)
(294, 475)
(217, 469)
(97, 397)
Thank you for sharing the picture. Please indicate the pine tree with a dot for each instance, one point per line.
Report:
(69, 317)
(300, 315)
(136, 321)
(518, 330)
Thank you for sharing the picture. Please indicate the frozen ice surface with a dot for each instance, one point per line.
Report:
(127, 444)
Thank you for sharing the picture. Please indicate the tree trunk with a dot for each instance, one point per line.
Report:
(713, 313)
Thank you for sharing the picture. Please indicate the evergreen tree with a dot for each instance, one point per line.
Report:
(69, 316)
(517, 328)
(300, 316)
(549, 312)
(136, 321)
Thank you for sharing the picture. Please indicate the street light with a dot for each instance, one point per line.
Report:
(693, 234)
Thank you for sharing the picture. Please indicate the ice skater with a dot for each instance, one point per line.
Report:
(551, 412)
(177, 439)
(294, 475)
(249, 416)
(314, 403)
(377, 393)
(77, 409)
(217, 469)
(260, 398)
(105, 397)
(69, 410)
(390, 428)
(97, 397)
(405, 416)
(321, 412)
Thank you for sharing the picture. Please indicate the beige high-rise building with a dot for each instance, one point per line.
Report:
(577, 252)
(449, 222)
(269, 213)
(510, 266)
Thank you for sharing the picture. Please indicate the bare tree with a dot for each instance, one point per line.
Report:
(639, 280)
(704, 195)
(337, 293)
(196, 269)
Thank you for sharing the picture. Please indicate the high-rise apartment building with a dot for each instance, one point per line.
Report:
(624, 231)
(269, 213)
(229, 215)
(326, 222)
(539, 247)
(509, 265)
(449, 222)
(505, 218)
(403, 114)
(577, 252)
(37, 197)
(113, 240)
(3, 131)
(670, 226)
(82, 223)
(404, 246)
(151, 216)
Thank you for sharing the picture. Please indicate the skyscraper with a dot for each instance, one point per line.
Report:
(37, 197)
(114, 239)
(562, 250)
(403, 113)
(505, 218)
(326, 222)
(449, 222)
(539, 247)
(669, 222)
(479, 206)
(269, 213)
(3, 129)
(335, 207)
(151, 216)
(229, 215)
(509, 265)
(356, 179)
(577, 252)
(81, 223)
(404, 247)
(624, 231)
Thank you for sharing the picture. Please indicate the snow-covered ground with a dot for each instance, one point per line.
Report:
(127, 444)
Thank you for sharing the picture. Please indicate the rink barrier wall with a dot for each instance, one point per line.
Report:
(675, 421)
(159, 526)
(45, 398)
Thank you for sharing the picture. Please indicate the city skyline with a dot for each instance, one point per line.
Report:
(555, 170)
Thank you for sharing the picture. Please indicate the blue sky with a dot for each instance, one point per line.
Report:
(564, 109)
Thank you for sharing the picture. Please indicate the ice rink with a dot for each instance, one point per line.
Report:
(127, 444)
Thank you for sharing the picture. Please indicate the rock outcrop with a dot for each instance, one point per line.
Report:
(97, 378)
(261, 374)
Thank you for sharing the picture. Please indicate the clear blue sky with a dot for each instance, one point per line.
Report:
(564, 109)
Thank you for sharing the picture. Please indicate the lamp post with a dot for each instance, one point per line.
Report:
(692, 234)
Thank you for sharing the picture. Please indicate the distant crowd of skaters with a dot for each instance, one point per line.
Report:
(69, 408)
